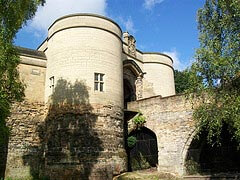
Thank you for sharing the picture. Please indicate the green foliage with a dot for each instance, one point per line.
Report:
(139, 120)
(131, 141)
(139, 162)
(215, 76)
(182, 81)
(192, 167)
(13, 14)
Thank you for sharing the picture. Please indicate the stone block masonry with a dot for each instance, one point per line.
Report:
(24, 147)
(170, 118)
(81, 142)
(78, 132)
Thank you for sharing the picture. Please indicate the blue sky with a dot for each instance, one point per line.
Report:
(167, 26)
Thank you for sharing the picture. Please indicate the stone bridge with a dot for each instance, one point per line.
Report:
(170, 118)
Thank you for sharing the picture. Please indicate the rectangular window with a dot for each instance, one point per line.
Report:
(101, 77)
(101, 86)
(98, 82)
(51, 83)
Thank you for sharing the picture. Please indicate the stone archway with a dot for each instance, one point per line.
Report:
(204, 158)
(144, 154)
(132, 78)
(129, 92)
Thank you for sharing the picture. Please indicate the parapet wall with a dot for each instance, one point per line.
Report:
(32, 71)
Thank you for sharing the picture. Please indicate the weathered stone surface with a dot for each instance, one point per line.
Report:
(171, 120)
(24, 145)
(83, 142)
(87, 141)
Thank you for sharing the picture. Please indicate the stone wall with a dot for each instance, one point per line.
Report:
(32, 72)
(85, 142)
(24, 147)
(171, 120)
(80, 142)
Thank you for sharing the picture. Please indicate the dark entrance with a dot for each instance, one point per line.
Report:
(129, 92)
(145, 152)
(207, 159)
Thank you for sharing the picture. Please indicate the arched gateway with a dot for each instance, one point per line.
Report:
(144, 154)
(204, 158)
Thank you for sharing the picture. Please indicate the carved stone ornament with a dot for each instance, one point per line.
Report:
(132, 46)
(139, 87)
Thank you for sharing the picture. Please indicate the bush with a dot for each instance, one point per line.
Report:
(192, 167)
(139, 120)
(131, 141)
(139, 162)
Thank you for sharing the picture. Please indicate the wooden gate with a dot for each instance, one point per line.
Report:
(145, 153)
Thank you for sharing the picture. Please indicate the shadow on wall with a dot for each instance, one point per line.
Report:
(3, 147)
(203, 158)
(70, 145)
(144, 154)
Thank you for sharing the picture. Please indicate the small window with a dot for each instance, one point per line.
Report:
(101, 86)
(51, 83)
(98, 82)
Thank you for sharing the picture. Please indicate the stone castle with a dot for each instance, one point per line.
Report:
(83, 84)
(78, 83)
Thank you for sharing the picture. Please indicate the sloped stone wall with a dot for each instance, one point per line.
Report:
(170, 118)
(81, 142)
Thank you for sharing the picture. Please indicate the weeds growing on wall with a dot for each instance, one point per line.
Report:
(131, 141)
(139, 120)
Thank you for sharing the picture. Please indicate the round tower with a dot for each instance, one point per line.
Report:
(160, 73)
(81, 45)
(84, 128)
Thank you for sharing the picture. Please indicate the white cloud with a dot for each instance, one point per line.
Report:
(149, 4)
(127, 24)
(54, 9)
(130, 26)
(176, 61)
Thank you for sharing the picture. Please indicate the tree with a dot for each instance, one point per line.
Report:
(215, 76)
(13, 15)
(182, 81)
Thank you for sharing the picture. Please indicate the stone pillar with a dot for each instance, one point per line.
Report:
(139, 87)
